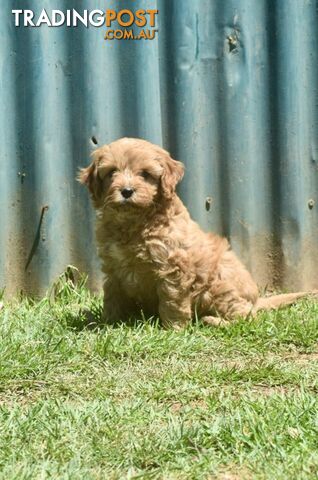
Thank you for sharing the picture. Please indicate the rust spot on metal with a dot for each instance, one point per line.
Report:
(37, 237)
(311, 204)
(208, 203)
(233, 42)
(22, 176)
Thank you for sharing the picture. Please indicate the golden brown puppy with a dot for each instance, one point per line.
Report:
(154, 256)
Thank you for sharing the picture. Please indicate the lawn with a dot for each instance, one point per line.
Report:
(82, 401)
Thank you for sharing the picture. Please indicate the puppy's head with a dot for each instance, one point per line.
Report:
(131, 173)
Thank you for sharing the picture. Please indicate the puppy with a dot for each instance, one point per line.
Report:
(154, 257)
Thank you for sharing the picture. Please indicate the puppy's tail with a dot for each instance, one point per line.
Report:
(276, 301)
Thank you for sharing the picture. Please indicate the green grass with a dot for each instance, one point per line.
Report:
(82, 401)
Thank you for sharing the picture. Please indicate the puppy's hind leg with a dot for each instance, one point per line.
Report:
(277, 301)
(230, 307)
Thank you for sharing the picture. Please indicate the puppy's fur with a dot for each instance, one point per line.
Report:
(154, 256)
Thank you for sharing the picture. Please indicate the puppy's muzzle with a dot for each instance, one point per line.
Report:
(127, 192)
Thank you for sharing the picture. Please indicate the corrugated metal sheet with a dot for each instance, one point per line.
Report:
(229, 87)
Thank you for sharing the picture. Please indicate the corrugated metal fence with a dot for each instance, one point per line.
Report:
(230, 87)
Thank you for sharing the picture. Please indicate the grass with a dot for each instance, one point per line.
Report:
(81, 401)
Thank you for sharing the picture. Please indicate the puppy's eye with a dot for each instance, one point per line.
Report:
(146, 175)
(111, 172)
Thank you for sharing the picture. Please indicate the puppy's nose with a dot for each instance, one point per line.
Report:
(127, 192)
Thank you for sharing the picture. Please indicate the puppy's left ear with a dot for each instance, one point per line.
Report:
(90, 177)
(172, 174)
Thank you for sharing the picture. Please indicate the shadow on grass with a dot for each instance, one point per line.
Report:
(92, 319)
(83, 319)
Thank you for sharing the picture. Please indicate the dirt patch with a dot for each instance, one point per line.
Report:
(239, 473)
(302, 357)
(267, 390)
(176, 407)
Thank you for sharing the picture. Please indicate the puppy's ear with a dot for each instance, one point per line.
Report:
(172, 174)
(90, 177)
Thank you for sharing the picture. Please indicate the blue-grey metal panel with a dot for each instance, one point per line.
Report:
(230, 87)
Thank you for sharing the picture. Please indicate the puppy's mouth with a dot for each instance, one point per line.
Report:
(126, 202)
(121, 203)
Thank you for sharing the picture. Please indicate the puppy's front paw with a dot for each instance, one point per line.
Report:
(214, 321)
(173, 318)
